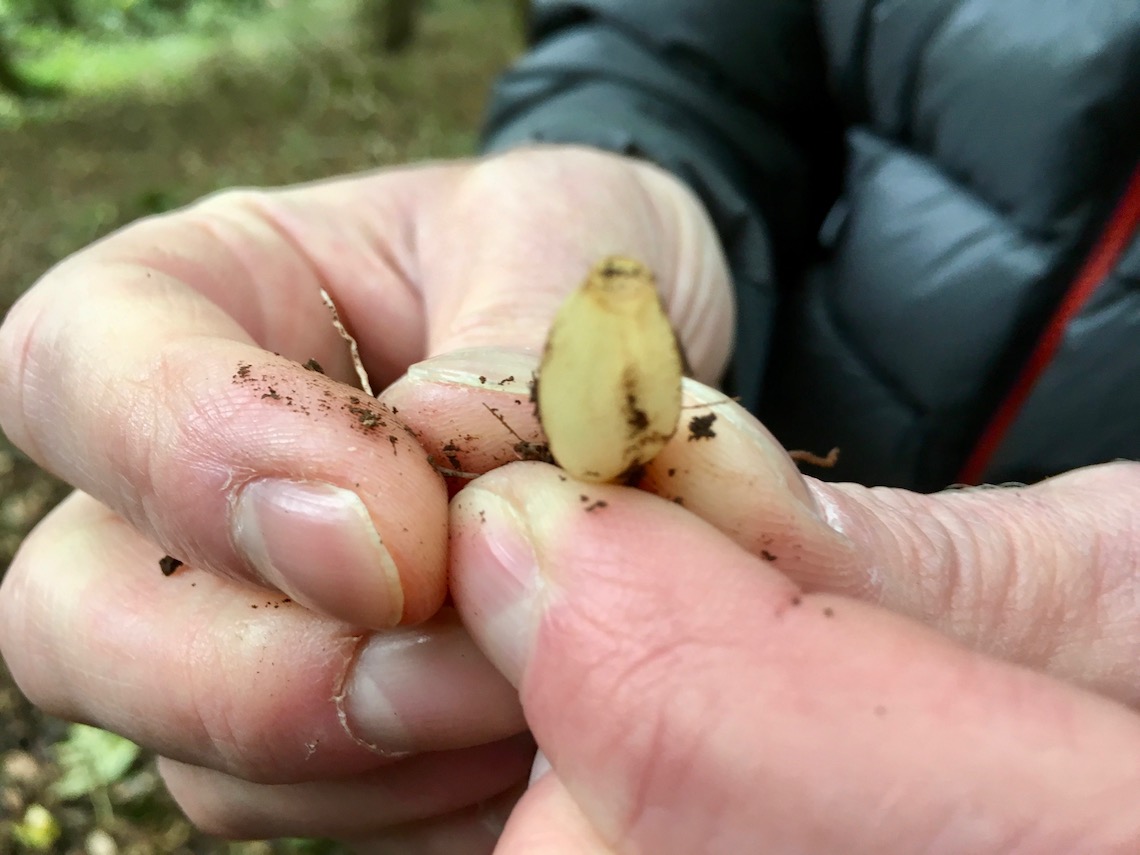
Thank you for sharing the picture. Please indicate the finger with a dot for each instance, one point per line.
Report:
(132, 372)
(263, 255)
(231, 677)
(1047, 575)
(547, 820)
(472, 412)
(417, 788)
(690, 698)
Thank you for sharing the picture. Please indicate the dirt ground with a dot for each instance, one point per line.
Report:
(88, 167)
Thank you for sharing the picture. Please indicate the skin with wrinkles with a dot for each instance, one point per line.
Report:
(730, 653)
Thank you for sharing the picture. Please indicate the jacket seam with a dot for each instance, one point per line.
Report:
(918, 71)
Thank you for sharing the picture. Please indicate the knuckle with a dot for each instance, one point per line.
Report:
(16, 632)
(27, 351)
(579, 174)
(232, 201)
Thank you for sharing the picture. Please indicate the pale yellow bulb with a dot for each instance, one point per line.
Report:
(609, 385)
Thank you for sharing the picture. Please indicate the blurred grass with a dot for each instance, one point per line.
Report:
(293, 95)
(168, 62)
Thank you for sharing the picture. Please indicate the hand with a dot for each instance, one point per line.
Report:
(144, 371)
(748, 682)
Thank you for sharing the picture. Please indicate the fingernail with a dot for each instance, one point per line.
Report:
(317, 543)
(497, 368)
(500, 579)
(758, 439)
(426, 689)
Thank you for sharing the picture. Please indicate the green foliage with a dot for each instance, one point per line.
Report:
(33, 28)
(101, 18)
(90, 760)
(38, 831)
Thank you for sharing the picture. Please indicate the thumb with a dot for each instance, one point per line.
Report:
(1044, 575)
(517, 232)
(691, 699)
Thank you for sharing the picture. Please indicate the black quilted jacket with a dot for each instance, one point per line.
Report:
(931, 208)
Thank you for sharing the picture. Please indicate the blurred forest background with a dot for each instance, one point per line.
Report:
(111, 110)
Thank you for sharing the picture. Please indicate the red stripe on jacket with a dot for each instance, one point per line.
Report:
(1122, 225)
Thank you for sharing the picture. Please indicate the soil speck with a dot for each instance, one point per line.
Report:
(367, 418)
(700, 427)
(635, 417)
(168, 564)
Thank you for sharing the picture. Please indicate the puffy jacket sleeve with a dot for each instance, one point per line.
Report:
(730, 95)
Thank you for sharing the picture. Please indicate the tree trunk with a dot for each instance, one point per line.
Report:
(392, 22)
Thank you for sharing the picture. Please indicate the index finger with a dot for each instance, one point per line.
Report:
(139, 371)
